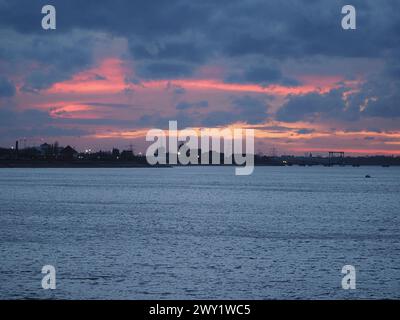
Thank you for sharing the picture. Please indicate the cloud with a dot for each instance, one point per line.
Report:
(243, 109)
(262, 75)
(33, 123)
(314, 106)
(139, 18)
(384, 106)
(43, 60)
(189, 105)
(250, 110)
(173, 50)
(48, 131)
(305, 131)
(29, 117)
(99, 77)
(190, 31)
(309, 28)
(164, 70)
(252, 41)
(379, 97)
(175, 89)
(7, 88)
(179, 90)
(108, 105)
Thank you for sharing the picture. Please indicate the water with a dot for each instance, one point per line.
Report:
(200, 232)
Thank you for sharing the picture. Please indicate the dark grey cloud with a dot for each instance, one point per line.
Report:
(7, 88)
(48, 131)
(275, 128)
(305, 131)
(121, 17)
(244, 109)
(262, 75)
(179, 90)
(183, 105)
(167, 59)
(176, 89)
(378, 97)
(174, 50)
(386, 106)
(165, 70)
(121, 123)
(315, 106)
(36, 123)
(306, 28)
(29, 117)
(251, 110)
(109, 105)
(33, 123)
(45, 59)
(99, 77)
(60, 61)
(219, 118)
(192, 30)
(186, 119)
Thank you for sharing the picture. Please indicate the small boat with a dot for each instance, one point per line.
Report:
(368, 176)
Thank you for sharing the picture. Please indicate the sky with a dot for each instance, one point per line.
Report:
(112, 70)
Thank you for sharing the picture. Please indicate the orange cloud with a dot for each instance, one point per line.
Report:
(113, 72)
(67, 110)
(108, 77)
(203, 84)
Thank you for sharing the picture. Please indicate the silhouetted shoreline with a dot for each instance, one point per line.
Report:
(55, 156)
(75, 164)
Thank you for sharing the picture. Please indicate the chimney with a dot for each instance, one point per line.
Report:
(16, 149)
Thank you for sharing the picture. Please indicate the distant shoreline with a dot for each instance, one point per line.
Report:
(77, 164)
(127, 164)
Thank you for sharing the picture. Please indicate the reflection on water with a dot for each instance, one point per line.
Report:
(200, 232)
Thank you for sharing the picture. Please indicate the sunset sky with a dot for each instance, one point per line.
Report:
(114, 69)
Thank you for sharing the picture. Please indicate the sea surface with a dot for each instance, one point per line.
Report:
(200, 232)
